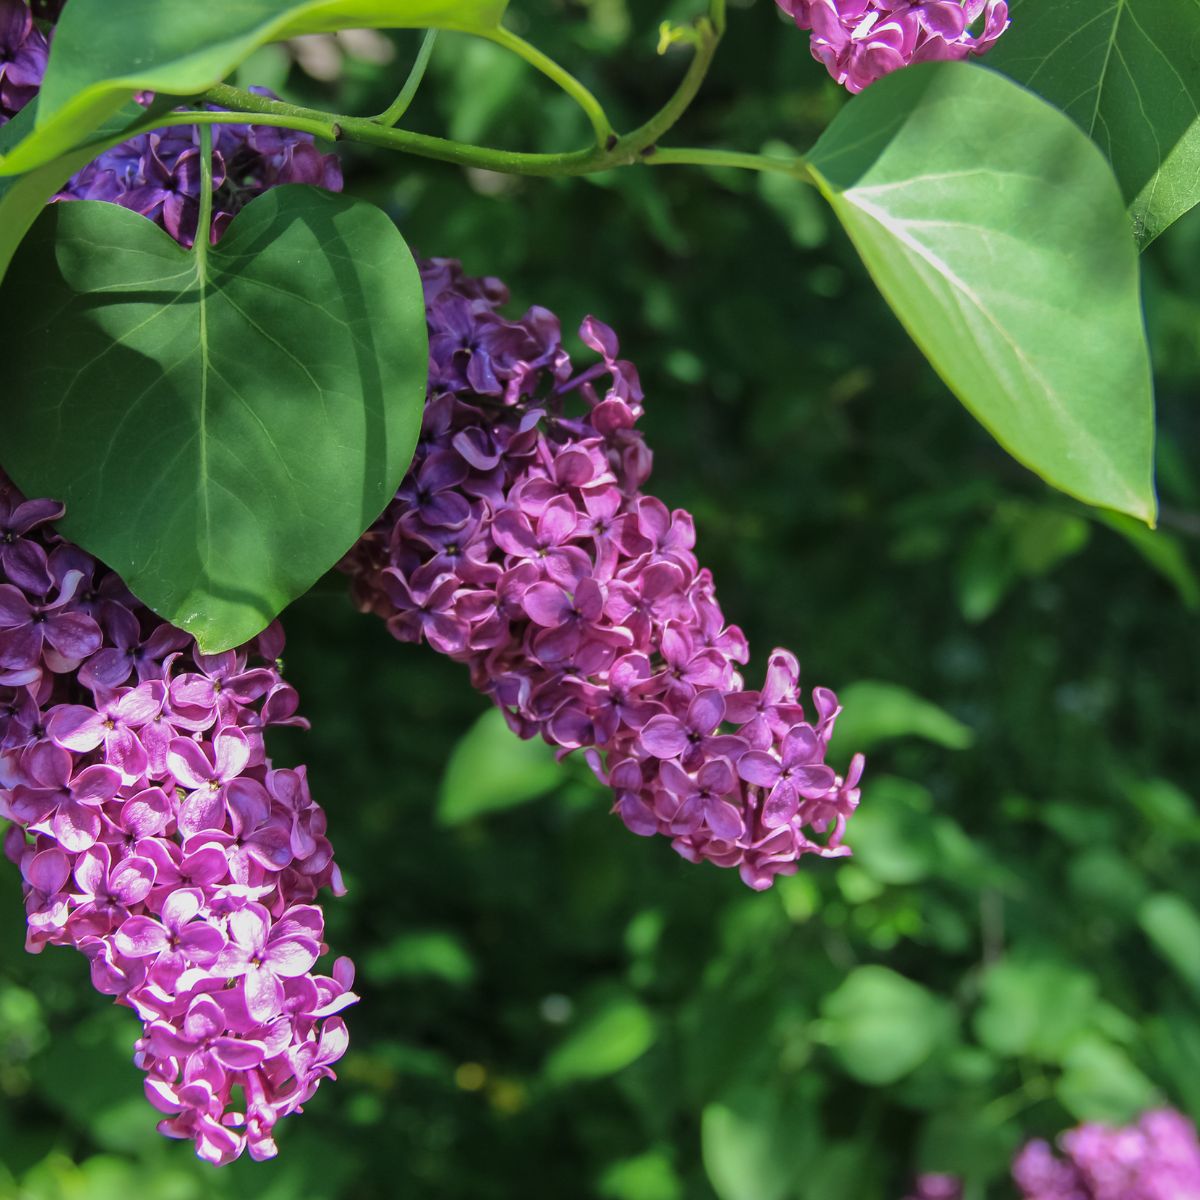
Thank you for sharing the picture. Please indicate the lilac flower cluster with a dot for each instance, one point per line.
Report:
(157, 174)
(522, 544)
(860, 41)
(1156, 1158)
(936, 1187)
(23, 53)
(154, 835)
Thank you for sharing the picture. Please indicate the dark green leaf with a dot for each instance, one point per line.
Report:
(880, 1025)
(606, 1042)
(1125, 70)
(1173, 926)
(222, 427)
(103, 53)
(995, 230)
(875, 712)
(492, 769)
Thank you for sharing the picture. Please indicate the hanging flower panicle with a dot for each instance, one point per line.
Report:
(860, 41)
(154, 835)
(522, 544)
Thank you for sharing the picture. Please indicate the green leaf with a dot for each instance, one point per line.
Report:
(1173, 926)
(893, 836)
(881, 1026)
(222, 426)
(875, 712)
(1125, 70)
(757, 1140)
(492, 769)
(1036, 1007)
(1163, 551)
(994, 229)
(105, 52)
(1100, 1083)
(605, 1043)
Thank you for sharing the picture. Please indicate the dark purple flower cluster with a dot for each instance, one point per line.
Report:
(1156, 1158)
(154, 835)
(23, 54)
(158, 174)
(860, 41)
(522, 544)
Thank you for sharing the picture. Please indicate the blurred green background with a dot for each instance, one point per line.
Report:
(555, 1008)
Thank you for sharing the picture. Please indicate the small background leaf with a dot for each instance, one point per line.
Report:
(492, 769)
(995, 231)
(874, 711)
(220, 435)
(610, 1039)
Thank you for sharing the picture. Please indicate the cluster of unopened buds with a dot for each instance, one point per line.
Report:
(1155, 1158)
(860, 41)
(521, 543)
(154, 835)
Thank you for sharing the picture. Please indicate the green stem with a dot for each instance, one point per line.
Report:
(559, 75)
(204, 221)
(699, 157)
(392, 114)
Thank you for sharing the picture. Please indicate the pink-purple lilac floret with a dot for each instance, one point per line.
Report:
(522, 544)
(860, 41)
(154, 835)
(23, 54)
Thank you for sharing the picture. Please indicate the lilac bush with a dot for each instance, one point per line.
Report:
(154, 835)
(860, 41)
(936, 1187)
(522, 544)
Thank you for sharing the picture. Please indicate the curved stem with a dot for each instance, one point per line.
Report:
(559, 75)
(701, 157)
(392, 114)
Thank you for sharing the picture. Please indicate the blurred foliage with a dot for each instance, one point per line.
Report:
(555, 1008)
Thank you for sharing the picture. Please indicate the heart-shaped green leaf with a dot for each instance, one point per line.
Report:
(222, 426)
(1126, 70)
(995, 230)
(104, 51)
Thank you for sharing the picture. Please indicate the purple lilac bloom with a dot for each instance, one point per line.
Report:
(522, 544)
(860, 41)
(936, 1187)
(1156, 1158)
(153, 834)
(23, 54)
(158, 174)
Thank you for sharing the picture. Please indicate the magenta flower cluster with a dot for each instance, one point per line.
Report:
(936, 1187)
(158, 174)
(154, 835)
(860, 41)
(1156, 1158)
(23, 53)
(522, 544)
